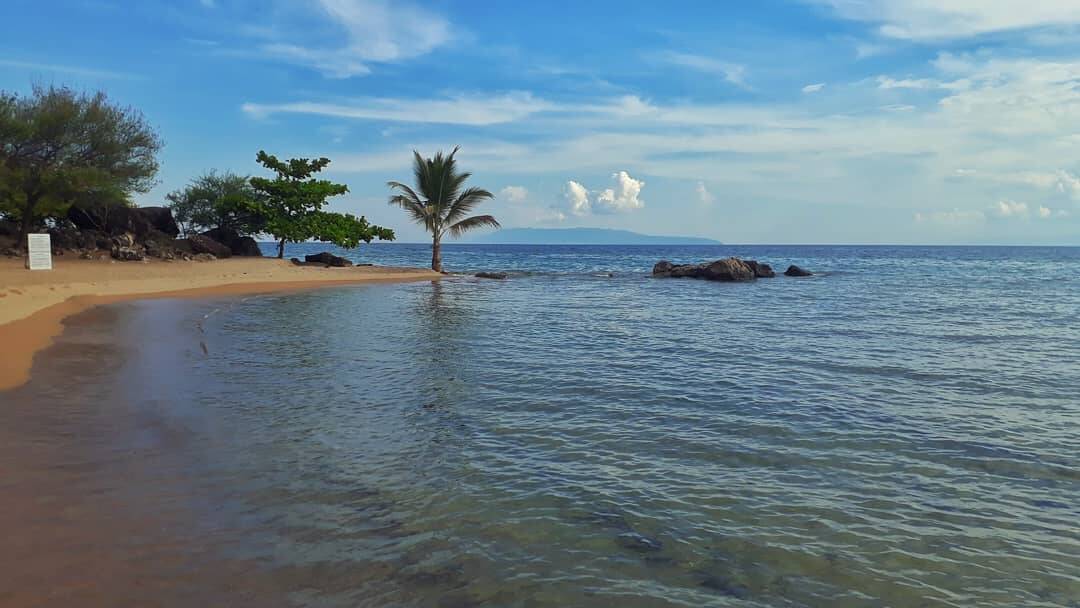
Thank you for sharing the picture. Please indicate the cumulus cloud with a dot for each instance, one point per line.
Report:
(813, 88)
(1007, 209)
(577, 198)
(514, 194)
(704, 196)
(625, 196)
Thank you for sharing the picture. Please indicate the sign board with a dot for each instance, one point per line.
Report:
(39, 252)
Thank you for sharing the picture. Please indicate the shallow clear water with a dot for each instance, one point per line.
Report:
(902, 429)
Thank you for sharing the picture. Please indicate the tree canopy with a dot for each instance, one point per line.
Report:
(58, 147)
(292, 204)
(440, 201)
(225, 201)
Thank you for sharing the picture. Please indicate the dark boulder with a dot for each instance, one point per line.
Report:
(795, 271)
(491, 275)
(761, 270)
(328, 259)
(239, 245)
(117, 218)
(729, 269)
(127, 254)
(204, 244)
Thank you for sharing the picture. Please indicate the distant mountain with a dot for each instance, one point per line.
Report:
(583, 236)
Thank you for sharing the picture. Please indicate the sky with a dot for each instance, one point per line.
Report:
(775, 121)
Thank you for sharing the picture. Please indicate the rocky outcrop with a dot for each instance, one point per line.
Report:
(491, 275)
(761, 270)
(727, 270)
(115, 219)
(243, 246)
(199, 243)
(328, 259)
(795, 271)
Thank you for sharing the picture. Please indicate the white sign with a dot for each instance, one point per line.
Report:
(39, 252)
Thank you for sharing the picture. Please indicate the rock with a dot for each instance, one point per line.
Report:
(203, 257)
(729, 269)
(795, 271)
(239, 245)
(199, 243)
(127, 254)
(761, 271)
(117, 218)
(491, 275)
(125, 240)
(639, 542)
(328, 259)
(86, 255)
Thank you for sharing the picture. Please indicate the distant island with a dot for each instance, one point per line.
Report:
(583, 236)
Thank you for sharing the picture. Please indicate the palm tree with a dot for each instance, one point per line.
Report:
(439, 203)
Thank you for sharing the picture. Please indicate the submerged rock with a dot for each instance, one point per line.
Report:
(795, 271)
(639, 542)
(491, 275)
(327, 259)
(728, 270)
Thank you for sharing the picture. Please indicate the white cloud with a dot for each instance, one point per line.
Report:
(66, 69)
(374, 31)
(625, 196)
(731, 72)
(577, 198)
(944, 19)
(884, 82)
(813, 88)
(704, 196)
(514, 194)
(1007, 209)
(1045, 212)
(461, 110)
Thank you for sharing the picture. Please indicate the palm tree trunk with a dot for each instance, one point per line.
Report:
(281, 250)
(436, 255)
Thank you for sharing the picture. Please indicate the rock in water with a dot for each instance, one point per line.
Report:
(795, 271)
(328, 258)
(491, 275)
(761, 271)
(729, 269)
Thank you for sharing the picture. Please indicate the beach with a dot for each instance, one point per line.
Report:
(33, 304)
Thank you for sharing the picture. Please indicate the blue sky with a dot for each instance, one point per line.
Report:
(776, 121)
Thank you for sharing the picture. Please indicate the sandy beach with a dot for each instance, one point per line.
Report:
(34, 304)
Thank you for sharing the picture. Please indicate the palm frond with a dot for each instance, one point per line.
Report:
(472, 223)
(465, 203)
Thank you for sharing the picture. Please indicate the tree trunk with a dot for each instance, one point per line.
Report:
(281, 250)
(27, 221)
(436, 255)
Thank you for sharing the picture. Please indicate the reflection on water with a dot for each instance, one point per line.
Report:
(884, 438)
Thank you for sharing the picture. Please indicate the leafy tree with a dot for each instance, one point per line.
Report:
(292, 202)
(57, 146)
(439, 203)
(217, 200)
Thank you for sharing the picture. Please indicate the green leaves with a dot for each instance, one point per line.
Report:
(437, 200)
(291, 205)
(57, 145)
(217, 200)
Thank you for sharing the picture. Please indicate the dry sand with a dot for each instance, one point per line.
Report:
(33, 304)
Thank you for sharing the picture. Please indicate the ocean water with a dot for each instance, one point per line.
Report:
(901, 429)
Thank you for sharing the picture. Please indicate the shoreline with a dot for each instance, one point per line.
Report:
(34, 304)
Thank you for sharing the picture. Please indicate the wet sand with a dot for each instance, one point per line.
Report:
(33, 305)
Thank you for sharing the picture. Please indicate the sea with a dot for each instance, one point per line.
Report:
(900, 429)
